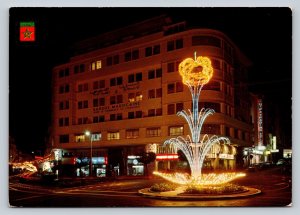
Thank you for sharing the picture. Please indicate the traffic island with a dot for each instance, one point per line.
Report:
(179, 194)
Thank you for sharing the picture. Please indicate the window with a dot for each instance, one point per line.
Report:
(112, 82)
(138, 114)
(135, 54)
(83, 120)
(116, 59)
(63, 73)
(131, 97)
(174, 44)
(139, 76)
(159, 93)
(216, 64)
(148, 51)
(113, 135)
(98, 84)
(153, 132)
(112, 100)
(151, 74)
(76, 69)
(210, 129)
(152, 50)
(80, 138)
(112, 117)
(179, 107)
(83, 87)
(64, 138)
(215, 106)
(139, 96)
(64, 105)
(155, 93)
(158, 111)
(158, 73)
(227, 131)
(130, 115)
(130, 78)
(119, 99)
(132, 133)
(131, 55)
(171, 88)
(151, 112)
(127, 56)
(175, 130)
(206, 40)
(116, 81)
(154, 73)
(155, 112)
(179, 87)
(96, 65)
(151, 94)
(97, 119)
(119, 116)
(83, 104)
(119, 80)
(112, 60)
(98, 102)
(81, 68)
(171, 109)
(171, 67)
(156, 49)
(64, 88)
(213, 85)
(109, 61)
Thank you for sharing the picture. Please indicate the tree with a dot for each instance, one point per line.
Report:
(146, 158)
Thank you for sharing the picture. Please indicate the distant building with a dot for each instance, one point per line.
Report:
(124, 87)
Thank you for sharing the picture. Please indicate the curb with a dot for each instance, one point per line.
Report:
(174, 195)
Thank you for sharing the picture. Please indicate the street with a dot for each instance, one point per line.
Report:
(275, 186)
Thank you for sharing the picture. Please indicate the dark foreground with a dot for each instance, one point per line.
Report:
(275, 185)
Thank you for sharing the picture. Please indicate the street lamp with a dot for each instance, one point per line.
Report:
(88, 134)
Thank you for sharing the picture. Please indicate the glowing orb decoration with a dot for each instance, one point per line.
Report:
(196, 72)
(204, 179)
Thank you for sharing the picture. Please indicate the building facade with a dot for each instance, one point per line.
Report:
(124, 87)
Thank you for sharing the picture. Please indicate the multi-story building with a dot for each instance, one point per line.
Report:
(124, 87)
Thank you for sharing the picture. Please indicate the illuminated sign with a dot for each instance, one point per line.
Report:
(27, 31)
(116, 107)
(166, 156)
(260, 121)
(287, 153)
(226, 156)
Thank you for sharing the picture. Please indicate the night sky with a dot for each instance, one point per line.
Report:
(264, 35)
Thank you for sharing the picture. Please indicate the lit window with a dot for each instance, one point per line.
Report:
(98, 64)
(113, 135)
(79, 138)
(176, 130)
(93, 66)
(132, 133)
(153, 132)
(139, 96)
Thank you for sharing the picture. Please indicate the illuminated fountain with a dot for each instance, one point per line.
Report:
(195, 74)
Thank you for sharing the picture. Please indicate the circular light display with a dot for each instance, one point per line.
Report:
(196, 72)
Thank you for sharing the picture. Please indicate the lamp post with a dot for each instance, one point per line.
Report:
(88, 134)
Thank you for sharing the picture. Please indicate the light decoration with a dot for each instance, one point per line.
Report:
(26, 166)
(206, 179)
(167, 156)
(195, 74)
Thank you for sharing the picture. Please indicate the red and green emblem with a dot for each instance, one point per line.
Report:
(27, 31)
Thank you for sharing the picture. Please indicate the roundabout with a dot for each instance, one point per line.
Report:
(179, 194)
